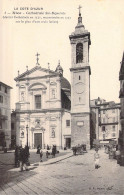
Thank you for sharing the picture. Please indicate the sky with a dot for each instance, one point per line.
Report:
(21, 41)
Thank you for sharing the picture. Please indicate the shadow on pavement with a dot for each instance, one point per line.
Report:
(9, 175)
(14, 177)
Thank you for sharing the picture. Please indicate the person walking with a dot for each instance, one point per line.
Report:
(96, 159)
(17, 150)
(41, 155)
(23, 159)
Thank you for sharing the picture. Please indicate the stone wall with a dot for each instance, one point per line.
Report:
(80, 125)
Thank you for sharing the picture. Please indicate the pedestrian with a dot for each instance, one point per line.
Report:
(47, 154)
(23, 159)
(96, 159)
(38, 149)
(118, 154)
(27, 155)
(17, 150)
(41, 155)
(74, 150)
(53, 151)
(48, 147)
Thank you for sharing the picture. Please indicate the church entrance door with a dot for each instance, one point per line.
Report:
(37, 139)
(68, 142)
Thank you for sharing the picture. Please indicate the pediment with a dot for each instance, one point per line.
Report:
(38, 73)
(35, 73)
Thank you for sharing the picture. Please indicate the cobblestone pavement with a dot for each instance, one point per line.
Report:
(7, 159)
(74, 175)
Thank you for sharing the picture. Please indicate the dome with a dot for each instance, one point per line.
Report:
(66, 88)
(65, 84)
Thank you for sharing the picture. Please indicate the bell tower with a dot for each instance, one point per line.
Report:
(80, 84)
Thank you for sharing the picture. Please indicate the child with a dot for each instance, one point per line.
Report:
(41, 154)
(96, 159)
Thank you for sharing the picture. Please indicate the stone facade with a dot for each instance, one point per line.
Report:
(41, 108)
(107, 119)
(81, 129)
(80, 85)
(121, 96)
(5, 116)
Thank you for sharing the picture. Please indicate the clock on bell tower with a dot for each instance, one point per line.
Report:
(80, 85)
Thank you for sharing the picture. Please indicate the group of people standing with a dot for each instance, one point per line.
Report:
(39, 151)
(22, 157)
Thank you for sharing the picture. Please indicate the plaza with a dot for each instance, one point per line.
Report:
(53, 112)
(67, 175)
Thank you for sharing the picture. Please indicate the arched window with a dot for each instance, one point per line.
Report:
(79, 77)
(79, 53)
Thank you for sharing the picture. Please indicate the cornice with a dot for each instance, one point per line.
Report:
(38, 77)
(80, 113)
(81, 68)
(40, 111)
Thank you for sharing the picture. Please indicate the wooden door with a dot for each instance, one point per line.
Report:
(37, 139)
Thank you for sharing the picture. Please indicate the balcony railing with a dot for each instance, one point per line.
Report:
(108, 123)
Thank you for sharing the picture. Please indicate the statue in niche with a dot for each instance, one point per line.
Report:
(37, 123)
(53, 132)
(22, 96)
(22, 134)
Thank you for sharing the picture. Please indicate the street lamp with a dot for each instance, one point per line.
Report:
(43, 137)
(32, 130)
(27, 133)
(27, 148)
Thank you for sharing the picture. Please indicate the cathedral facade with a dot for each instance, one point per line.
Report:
(43, 108)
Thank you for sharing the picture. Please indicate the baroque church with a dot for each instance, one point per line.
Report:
(43, 109)
(49, 110)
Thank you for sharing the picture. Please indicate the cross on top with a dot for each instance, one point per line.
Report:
(37, 58)
(79, 9)
(48, 65)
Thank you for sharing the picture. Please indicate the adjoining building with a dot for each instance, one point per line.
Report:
(121, 96)
(13, 129)
(43, 108)
(5, 116)
(107, 119)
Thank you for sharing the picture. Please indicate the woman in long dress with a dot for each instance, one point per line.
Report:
(96, 159)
